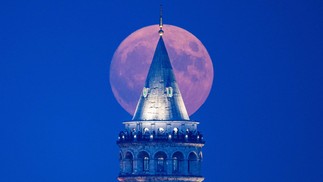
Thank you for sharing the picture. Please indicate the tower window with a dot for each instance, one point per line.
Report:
(160, 164)
(143, 161)
(160, 158)
(128, 163)
(169, 91)
(177, 162)
(146, 164)
(192, 163)
(145, 92)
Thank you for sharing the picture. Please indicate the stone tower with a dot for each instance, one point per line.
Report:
(160, 143)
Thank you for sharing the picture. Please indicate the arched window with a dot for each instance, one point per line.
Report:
(160, 158)
(143, 161)
(177, 161)
(192, 164)
(146, 164)
(128, 163)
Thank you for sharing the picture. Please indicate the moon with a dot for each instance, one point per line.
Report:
(191, 63)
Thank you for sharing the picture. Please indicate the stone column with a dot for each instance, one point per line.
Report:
(169, 164)
(135, 166)
(152, 169)
(184, 167)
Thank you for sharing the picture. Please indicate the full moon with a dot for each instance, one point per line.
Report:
(191, 63)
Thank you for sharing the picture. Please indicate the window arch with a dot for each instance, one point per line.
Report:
(128, 163)
(201, 156)
(177, 162)
(192, 163)
(160, 159)
(143, 161)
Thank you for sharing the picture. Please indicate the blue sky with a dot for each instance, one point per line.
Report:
(262, 121)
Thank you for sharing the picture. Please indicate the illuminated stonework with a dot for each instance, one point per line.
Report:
(161, 143)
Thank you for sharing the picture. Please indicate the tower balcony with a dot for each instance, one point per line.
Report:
(188, 137)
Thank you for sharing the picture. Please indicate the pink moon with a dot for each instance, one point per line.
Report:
(191, 63)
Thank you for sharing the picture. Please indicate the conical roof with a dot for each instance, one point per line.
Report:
(160, 98)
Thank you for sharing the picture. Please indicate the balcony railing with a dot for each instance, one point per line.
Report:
(189, 137)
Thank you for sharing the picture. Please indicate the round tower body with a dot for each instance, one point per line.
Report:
(160, 151)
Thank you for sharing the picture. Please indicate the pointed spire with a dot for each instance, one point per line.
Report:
(161, 98)
(161, 31)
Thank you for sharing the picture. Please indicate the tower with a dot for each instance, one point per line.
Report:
(160, 143)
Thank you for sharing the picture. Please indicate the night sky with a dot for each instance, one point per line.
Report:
(262, 122)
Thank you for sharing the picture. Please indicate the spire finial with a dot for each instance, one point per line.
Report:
(161, 32)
